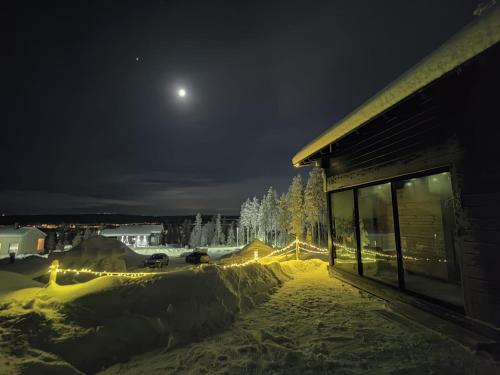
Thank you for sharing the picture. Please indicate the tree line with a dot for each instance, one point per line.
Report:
(278, 219)
(212, 233)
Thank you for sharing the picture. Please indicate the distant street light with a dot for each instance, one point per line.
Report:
(181, 93)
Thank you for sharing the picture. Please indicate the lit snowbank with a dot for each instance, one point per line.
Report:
(316, 324)
(109, 319)
(248, 252)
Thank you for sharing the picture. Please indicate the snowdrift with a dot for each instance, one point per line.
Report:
(100, 254)
(90, 326)
(247, 252)
(10, 282)
(31, 266)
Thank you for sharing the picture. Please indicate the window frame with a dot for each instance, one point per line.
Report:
(397, 230)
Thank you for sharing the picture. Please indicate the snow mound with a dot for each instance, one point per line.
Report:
(90, 326)
(100, 254)
(11, 282)
(248, 252)
(31, 266)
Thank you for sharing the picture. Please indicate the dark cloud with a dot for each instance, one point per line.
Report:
(87, 127)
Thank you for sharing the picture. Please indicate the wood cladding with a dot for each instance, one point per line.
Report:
(452, 123)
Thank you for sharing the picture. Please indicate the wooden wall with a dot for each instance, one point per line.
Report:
(452, 123)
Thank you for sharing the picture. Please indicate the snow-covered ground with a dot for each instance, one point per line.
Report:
(277, 316)
(315, 324)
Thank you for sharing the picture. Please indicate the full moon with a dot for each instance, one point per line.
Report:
(181, 92)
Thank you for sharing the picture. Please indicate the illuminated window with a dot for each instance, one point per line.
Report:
(13, 247)
(40, 243)
(426, 220)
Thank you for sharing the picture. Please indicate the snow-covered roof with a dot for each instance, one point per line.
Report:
(475, 38)
(10, 231)
(132, 230)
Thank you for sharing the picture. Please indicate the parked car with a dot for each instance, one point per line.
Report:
(157, 260)
(197, 257)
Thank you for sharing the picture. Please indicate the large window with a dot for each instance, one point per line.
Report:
(344, 230)
(426, 218)
(424, 241)
(376, 226)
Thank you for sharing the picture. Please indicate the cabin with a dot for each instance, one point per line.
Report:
(136, 235)
(412, 180)
(20, 241)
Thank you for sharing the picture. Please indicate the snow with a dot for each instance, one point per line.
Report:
(99, 253)
(315, 324)
(91, 325)
(268, 317)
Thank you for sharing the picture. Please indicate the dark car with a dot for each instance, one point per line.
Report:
(157, 260)
(197, 257)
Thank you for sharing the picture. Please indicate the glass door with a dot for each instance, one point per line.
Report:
(426, 221)
(376, 228)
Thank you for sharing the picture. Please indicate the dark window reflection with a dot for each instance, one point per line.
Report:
(344, 230)
(378, 245)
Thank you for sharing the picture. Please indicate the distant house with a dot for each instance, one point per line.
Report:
(24, 240)
(412, 180)
(136, 235)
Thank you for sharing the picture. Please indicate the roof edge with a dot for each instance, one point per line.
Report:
(473, 39)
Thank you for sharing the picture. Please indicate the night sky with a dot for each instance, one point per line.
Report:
(90, 117)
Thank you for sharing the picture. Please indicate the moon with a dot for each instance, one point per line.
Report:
(181, 92)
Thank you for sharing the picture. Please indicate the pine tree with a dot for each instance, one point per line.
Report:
(61, 237)
(231, 236)
(315, 204)
(254, 213)
(218, 237)
(283, 219)
(50, 242)
(195, 237)
(245, 222)
(204, 236)
(77, 239)
(209, 233)
(185, 232)
(272, 207)
(296, 207)
(87, 234)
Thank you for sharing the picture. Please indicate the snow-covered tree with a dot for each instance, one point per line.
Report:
(231, 235)
(254, 213)
(185, 232)
(77, 239)
(296, 207)
(315, 204)
(88, 233)
(245, 222)
(283, 219)
(272, 206)
(195, 237)
(219, 235)
(209, 232)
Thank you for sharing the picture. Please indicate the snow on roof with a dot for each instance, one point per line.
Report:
(472, 40)
(10, 231)
(132, 230)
